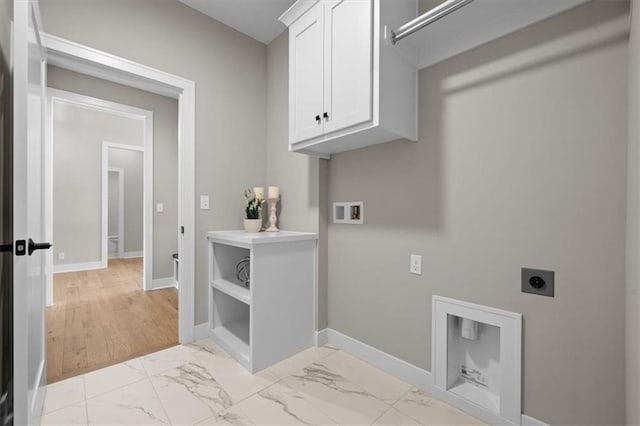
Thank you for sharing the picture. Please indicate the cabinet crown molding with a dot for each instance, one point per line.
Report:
(296, 10)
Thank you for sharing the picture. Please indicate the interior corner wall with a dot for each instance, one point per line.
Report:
(521, 162)
(165, 153)
(229, 71)
(632, 335)
(297, 175)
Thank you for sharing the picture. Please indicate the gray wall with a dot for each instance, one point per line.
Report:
(113, 204)
(132, 162)
(633, 225)
(297, 175)
(521, 162)
(78, 134)
(165, 153)
(229, 69)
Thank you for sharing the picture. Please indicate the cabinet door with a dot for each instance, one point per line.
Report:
(306, 37)
(348, 63)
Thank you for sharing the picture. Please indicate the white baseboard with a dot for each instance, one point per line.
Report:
(409, 373)
(131, 254)
(162, 283)
(322, 337)
(76, 267)
(530, 421)
(416, 376)
(200, 331)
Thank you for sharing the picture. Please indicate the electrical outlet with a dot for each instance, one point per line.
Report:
(61, 256)
(204, 202)
(415, 266)
(160, 207)
(538, 281)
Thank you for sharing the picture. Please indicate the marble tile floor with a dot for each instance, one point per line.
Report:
(201, 384)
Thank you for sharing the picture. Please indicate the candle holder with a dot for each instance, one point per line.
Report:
(263, 204)
(273, 215)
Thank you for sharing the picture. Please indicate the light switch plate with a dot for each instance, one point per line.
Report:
(61, 256)
(160, 207)
(204, 202)
(415, 266)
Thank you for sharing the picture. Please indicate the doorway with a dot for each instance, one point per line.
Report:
(82, 59)
(104, 310)
(80, 173)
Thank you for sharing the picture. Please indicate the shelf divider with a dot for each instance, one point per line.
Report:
(232, 289)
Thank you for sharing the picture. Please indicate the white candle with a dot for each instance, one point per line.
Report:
(274, 192)
(259, 191)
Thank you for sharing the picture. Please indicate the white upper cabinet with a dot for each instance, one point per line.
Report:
(348, 88)
(347, 64)
(306, 70)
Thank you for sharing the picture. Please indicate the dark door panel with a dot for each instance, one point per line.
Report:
(6, 217)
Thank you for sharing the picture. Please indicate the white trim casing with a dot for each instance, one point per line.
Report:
(77, 57)
(186, 211)
(416, 376)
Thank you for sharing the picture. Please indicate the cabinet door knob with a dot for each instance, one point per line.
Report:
(318, 119)
(326, 116)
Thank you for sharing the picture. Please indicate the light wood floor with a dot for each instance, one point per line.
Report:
(103, 317)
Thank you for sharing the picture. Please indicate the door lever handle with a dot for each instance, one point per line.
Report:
(318, 118)
(33, 246)
(326, 116)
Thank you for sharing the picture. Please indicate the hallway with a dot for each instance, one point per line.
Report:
(103, 317)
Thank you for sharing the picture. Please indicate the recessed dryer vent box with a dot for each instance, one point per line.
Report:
(476, 359)
(350, 212)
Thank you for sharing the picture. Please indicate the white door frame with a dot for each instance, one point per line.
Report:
(28, 389)
(55, 96)
(80, 58)
(147, 208)
(119, 171)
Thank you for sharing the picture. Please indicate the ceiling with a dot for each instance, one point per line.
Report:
(256, 18)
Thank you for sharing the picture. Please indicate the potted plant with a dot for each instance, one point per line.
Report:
(252, 220)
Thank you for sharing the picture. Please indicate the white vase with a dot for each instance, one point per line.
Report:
(252, 225)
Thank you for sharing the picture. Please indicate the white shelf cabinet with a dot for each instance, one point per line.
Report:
(348, 88)
(275, 317)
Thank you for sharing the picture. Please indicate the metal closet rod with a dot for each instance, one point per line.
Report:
(427, 18)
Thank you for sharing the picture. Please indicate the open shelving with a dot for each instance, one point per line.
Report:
(273, 318)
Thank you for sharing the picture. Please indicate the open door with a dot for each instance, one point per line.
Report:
(29, 70)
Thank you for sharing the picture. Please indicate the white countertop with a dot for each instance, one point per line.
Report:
(251, 238)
